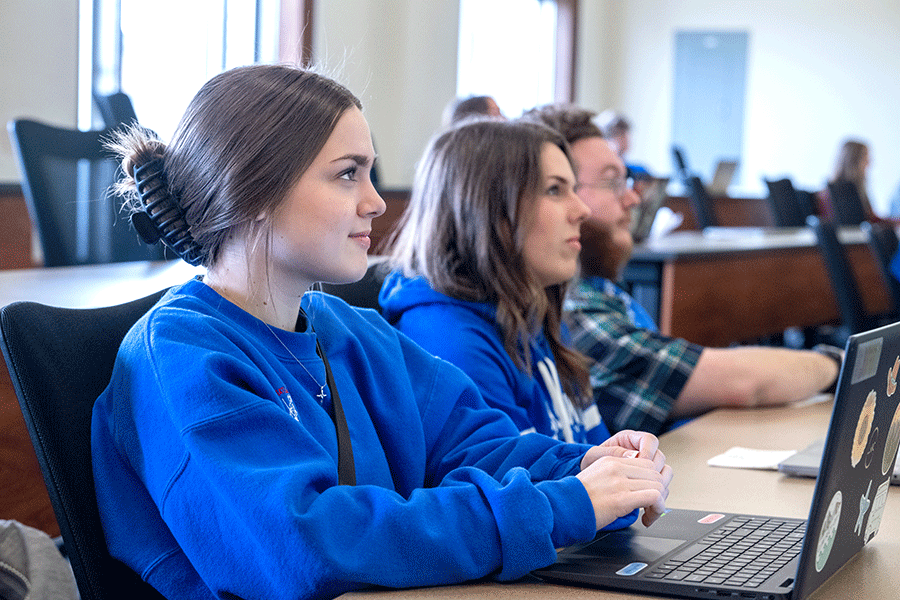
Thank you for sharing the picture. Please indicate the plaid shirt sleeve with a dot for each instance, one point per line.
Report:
(636, 374)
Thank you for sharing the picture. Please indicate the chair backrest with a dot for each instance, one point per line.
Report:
(785, 205)
(702, 204)
(66, 175)
(362, 293)
(843, 282)
(60, 360)
(681, 167)
(884, 244)
(807, 202)
(848, 207)
(116, 109)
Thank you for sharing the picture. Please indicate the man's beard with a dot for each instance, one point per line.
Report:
(601, 256)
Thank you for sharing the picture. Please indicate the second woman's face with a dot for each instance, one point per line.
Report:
(321, 230)
(553, 236)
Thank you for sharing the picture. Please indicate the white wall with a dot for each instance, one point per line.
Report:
(38, 67)
(399, 57)
(818, 72)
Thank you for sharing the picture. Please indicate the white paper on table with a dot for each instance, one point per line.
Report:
(750, 458)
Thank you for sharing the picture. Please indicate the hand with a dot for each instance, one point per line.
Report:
(618, 485)
(629, 444)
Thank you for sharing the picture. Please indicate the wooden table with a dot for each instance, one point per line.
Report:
(872, 574)
(744, 284)
(23, 496)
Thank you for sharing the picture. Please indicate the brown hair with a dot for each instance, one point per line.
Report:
(573, 122)
(246, 137)
(849, 165)
(472, 200)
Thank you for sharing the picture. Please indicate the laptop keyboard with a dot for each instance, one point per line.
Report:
(744, 552)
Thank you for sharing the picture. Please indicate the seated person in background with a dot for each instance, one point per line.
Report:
(617, 131)
(471, 107)
(483, 254)
(852, 165)
(642, 379)
(220, 465)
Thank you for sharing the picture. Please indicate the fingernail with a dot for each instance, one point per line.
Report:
(631, 454)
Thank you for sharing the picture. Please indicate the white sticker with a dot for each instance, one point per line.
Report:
(864, 504)
(829, 531)
(877, 510)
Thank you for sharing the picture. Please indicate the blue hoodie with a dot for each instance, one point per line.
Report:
(215, 462)
(467, 335)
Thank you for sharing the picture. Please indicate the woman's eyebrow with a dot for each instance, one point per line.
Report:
(360, 159)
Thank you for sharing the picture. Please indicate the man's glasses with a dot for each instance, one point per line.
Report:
(616, 185)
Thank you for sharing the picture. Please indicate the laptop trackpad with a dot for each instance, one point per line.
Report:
(624, 545)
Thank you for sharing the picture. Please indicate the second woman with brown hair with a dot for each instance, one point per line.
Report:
(482, 257)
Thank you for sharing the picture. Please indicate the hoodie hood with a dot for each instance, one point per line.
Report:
(400, 293)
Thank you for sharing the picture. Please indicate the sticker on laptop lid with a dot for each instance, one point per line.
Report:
(864, 504)
(868, 355)
(863, 428)
(877, 510)
(892, 377)
(711, 518)
(828, 531)
(891, 443)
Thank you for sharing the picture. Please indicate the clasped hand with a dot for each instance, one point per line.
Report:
(626, 472)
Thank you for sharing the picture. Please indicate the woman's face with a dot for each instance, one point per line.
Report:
(321, 230)
(553, 235)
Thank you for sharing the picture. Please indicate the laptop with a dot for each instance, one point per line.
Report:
(722, 177)
(652, 198)
(805, 463)
(797, 556)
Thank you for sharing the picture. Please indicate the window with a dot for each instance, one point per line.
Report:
(161, 52)
(526, 61)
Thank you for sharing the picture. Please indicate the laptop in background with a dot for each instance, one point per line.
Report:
(724, 173)
(671, 557)
(806, 462)
(653, 196)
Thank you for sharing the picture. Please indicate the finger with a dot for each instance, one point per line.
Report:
(660, 461)
(648, 445)
(667, 474)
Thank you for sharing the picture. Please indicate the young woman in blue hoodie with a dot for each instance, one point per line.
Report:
(259, 441)
(482, 258)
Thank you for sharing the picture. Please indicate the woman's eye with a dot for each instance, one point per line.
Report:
(349, 174)
(553, 190)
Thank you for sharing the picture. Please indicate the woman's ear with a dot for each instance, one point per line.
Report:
(261, 216)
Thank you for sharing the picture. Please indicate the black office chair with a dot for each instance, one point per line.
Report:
(66, 175)
(807, 202)
(846, 291)
(785, 204)
(884, 243)
(362, 293)
(848, 206)
(702, 204)
(681, 168)
(116, 109)
(60, 360)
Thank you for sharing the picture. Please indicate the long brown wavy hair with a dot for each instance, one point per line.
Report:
(473, 198)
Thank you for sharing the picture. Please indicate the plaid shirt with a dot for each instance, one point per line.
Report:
(637, 373)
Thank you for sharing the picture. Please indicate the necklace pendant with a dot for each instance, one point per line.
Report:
(321, 394)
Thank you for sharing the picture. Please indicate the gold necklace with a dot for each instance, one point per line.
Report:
(321, 394)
